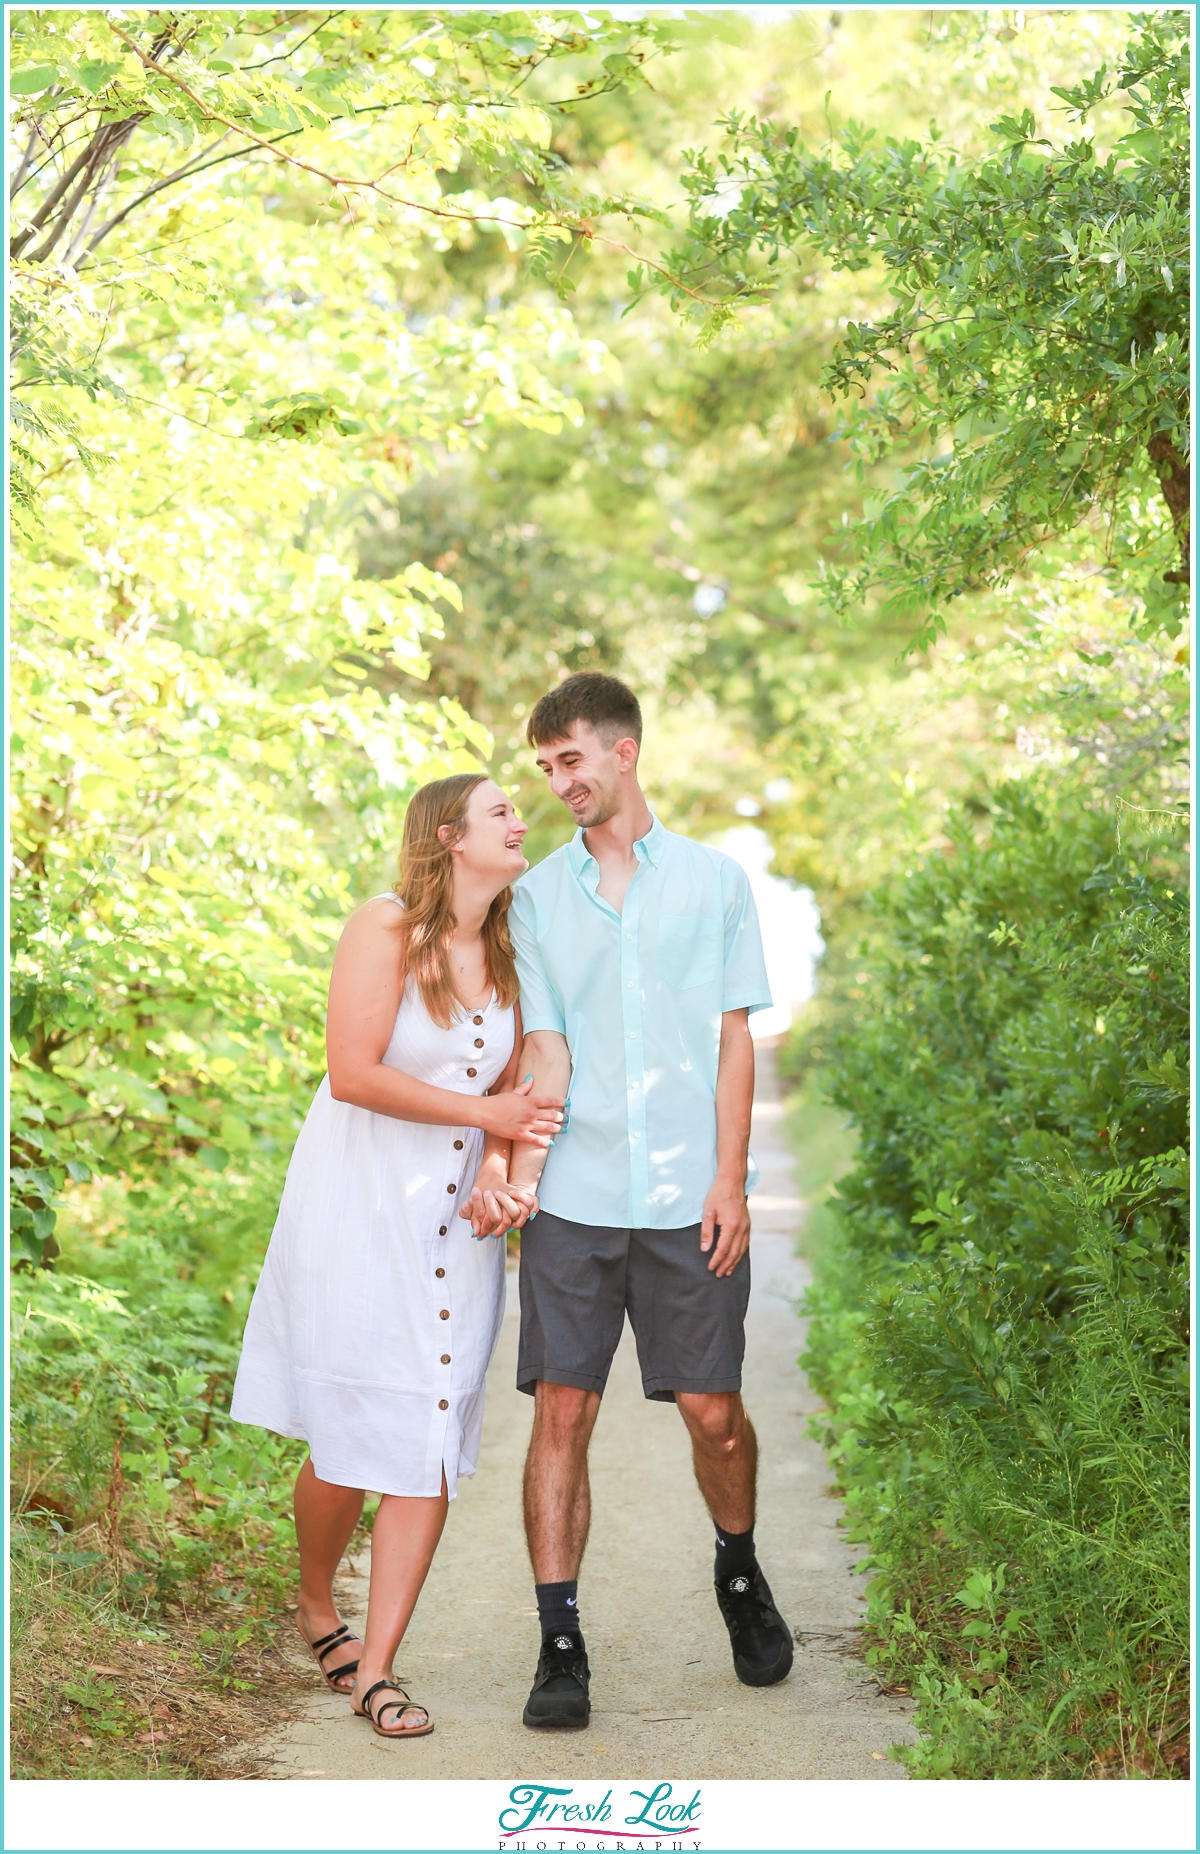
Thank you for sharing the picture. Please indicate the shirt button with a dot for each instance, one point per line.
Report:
(445, 1358)
(471, 1072)
(443, 1405)
(439, 1272)
(442, 1231)
(444, 1314)
(629, 984)
(452, 1188)
(633, 1033)
(636, 1136)
(479, 1042)
(476, 1020)
(629, 936)
(458, 1145)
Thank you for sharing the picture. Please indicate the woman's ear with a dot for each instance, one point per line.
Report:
(445, 833)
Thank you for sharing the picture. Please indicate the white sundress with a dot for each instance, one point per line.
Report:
(377, 1311)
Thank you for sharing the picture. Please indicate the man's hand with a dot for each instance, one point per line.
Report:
(725, 1222)
(495, 1206)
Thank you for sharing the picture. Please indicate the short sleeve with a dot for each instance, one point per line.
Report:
(541, 1006)
(745, 983)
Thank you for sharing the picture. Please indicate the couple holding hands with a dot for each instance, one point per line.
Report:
(463, 1012)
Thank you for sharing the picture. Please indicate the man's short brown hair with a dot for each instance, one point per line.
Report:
(605, 704)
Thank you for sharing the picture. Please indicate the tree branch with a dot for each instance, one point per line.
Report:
(348, 183)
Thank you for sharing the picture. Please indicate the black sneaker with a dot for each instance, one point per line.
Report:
(559, 1696)
(760, 1638)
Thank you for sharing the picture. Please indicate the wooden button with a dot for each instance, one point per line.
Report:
(443, 1405)
(442, 1231)
(458, 1145)
(452, 1188)
(479, 1042)
(445, 1358)
(444, 1314)
(439, 1272)
(476, 1020)
(471, 1072)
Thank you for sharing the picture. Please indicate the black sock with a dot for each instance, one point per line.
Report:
(558, 1607)
(735, 1552)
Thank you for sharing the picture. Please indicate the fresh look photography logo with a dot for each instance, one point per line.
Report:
(567, 1815)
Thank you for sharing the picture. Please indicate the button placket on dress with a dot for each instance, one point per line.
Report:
(442, 1310)
(443, 1306)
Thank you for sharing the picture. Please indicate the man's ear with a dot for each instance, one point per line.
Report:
(627, 751)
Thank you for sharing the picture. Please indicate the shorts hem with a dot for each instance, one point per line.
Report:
(528, 1379)
(662, 1390)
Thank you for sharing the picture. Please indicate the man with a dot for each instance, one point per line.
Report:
(640, 962)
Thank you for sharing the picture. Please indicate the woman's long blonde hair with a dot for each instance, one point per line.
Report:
(426, 887)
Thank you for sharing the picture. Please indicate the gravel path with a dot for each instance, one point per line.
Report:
(664, 1695)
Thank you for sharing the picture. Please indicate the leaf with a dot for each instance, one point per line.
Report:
(32, 79)
(95, 73)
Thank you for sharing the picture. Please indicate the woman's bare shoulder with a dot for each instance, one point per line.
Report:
(377, 919)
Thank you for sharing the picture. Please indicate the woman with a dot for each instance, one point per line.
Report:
(378, 1307)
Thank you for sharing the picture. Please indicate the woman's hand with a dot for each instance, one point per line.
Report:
(495, 1207)
(522, 1115)
(525, 1198)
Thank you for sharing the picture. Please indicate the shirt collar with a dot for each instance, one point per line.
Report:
(647, 849)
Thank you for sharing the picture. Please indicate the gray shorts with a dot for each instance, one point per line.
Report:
(578, 1280)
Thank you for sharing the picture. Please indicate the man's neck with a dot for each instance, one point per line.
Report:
(614, 839)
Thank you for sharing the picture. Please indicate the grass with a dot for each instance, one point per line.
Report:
(823, 1142)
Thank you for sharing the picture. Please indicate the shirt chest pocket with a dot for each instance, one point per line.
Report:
(688, 950)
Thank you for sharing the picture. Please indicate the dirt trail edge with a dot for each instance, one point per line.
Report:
(664, 1695)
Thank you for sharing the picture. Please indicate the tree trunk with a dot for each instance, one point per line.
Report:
(1172, 472)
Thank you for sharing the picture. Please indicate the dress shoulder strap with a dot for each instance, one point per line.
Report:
(388, 897)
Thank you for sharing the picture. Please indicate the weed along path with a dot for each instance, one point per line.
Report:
(665, 1698)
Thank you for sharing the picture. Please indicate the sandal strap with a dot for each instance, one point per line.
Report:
(395, 1706)
(328, 1643)
(335, 1673)
(404, 1704)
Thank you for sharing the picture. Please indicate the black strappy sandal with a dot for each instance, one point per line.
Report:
(402, 1705)
(329, 1644)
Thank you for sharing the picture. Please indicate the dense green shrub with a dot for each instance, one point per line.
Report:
(1000, 1316)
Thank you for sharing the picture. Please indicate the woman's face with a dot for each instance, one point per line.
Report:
(491, 843)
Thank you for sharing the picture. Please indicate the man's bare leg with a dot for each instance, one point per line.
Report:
(724, 1455)
(558, 1505)
(557, 1514)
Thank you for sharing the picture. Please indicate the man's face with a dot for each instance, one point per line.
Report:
(586, 774)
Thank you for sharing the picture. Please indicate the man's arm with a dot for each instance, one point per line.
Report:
(726, 1218)
(544, 1054)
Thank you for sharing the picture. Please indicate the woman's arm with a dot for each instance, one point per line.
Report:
(365, 991)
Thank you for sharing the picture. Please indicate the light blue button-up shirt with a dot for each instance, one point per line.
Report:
(639, 997)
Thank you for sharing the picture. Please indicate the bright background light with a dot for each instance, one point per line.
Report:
(791, 929)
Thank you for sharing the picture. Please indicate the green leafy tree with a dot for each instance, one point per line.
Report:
(1031, 370)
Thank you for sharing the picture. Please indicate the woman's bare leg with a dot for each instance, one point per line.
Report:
(403, 1540)
(326, 1516)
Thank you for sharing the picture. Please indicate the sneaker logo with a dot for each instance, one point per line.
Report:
(563, 1641)
(739, 1584)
